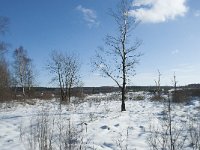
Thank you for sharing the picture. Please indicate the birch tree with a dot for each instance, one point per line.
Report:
(23, 72)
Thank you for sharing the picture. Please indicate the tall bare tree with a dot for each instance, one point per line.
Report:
(66, 69)
(118, 60)
(23, 72)
(4, 71)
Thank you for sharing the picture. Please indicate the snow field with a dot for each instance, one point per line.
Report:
(103, 125)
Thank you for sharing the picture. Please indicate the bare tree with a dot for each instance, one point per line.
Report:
(174, 81)
(178, 96)
(23, 72)
(30, 77)
(66, 70)
(158, 90)
(4, 22)
(119, 58)
(4, 71)
(175, 96)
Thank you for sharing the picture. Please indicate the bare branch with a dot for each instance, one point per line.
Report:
(4, 22)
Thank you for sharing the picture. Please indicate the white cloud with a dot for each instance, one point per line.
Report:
(89, 15)
(176, 51)
(197, 13)
(156, 11)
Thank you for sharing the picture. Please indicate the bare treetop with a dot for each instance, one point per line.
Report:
(4, 22)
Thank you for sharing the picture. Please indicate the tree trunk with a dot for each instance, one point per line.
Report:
(69, 94)
(62, 94)
(124, 75)
(123, 108)
(23, 91)
(70, 89)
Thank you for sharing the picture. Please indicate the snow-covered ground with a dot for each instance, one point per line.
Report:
(103, 125)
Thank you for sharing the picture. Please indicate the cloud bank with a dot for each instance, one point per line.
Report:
(89, 15)
(156, 11)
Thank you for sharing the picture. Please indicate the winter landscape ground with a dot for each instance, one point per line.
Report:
(93, 123)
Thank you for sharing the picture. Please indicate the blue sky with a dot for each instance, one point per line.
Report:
(169, 29)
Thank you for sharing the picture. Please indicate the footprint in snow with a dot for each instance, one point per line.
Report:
(116, 125)
(105, 127)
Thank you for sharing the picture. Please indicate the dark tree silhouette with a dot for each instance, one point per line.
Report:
(118, 60)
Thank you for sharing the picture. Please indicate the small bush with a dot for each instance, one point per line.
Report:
(157, 97)
(194, 92)
(184, 95)
(46, 95)
(79, 95)
(5, 94)
(139, 97)
(179, 96)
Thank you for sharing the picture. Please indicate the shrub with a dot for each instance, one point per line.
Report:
(194, 92)
(5, 94)
(139, 97)
(179, 96)
(49, 133)
(157, 97)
